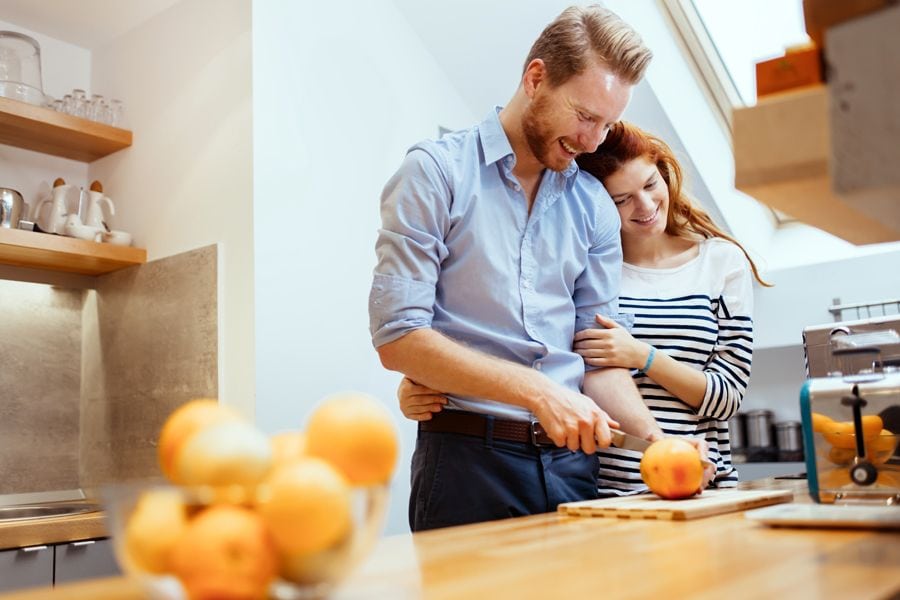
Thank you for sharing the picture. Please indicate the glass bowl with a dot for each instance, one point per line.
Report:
(840, 448)
(299, 578)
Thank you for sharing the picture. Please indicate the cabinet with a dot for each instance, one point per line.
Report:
(50, 132)
(26, 567)
(49, 565)
(84, 560)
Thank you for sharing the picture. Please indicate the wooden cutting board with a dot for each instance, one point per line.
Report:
(651, 506)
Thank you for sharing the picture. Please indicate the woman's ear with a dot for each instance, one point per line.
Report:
(535, 75)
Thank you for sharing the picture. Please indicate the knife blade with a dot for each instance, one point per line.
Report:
(626, 441)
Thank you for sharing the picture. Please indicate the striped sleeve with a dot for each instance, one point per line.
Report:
(728, 369)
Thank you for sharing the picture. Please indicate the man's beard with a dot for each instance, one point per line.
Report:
(537, 129)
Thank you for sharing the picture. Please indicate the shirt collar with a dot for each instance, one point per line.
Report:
(495, 144)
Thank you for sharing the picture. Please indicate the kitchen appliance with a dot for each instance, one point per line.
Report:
(851, 416)
(848, 337)
(650, 506)
(12, 208)
(20, 68)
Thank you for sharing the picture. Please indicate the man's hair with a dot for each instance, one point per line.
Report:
(581, 34)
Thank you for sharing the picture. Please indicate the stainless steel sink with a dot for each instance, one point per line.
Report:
(42, 511)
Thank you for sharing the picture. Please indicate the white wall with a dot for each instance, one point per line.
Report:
(64, 67)
(186, 182)
(802, 295)
(339, 95)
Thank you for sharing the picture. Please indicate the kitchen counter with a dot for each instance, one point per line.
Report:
(52, 530)
(553, 556)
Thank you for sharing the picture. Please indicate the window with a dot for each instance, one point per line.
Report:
(724, 39)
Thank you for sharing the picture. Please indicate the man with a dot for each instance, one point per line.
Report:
(494, 250)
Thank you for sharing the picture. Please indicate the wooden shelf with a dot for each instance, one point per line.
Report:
(58, 253)
(44, 130)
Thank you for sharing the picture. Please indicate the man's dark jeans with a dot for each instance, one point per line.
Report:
(459, 479)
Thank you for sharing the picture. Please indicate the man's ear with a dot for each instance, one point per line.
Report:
(535, 75)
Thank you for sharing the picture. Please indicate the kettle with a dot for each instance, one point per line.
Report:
(53, 219)
(11, 207)
(93, 212)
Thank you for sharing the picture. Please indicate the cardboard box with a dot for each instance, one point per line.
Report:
(782, 154)
(793, 70)
(819, 15)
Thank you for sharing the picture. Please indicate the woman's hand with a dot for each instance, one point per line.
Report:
(418, 402)
(612, 346)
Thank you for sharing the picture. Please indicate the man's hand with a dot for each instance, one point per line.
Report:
(572, 419)
(418, 402)
(611, 346)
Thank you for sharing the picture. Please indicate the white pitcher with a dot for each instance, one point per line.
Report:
(93, 214)
(53, 218)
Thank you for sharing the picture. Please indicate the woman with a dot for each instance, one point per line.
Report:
(688, 285)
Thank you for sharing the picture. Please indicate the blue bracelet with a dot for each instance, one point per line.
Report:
(649, 359)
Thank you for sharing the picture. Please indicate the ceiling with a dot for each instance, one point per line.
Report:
(89, 24)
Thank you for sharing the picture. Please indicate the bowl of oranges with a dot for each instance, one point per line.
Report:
(242, 515)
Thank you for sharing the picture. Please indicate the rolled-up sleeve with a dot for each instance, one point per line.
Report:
(597, 289)
(410, 248)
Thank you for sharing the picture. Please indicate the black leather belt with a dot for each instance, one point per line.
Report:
(474, 424)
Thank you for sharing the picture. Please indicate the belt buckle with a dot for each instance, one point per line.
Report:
(535, 429)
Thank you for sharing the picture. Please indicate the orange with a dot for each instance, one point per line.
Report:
(153, 528)
(225, 553)
(671, 468)
(355, 433)
(306, 504)
(185, 421)
(227, 453)
(287, 446)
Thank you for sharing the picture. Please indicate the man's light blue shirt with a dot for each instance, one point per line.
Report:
(459, 253)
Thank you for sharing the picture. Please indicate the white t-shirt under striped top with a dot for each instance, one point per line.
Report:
(699, 313)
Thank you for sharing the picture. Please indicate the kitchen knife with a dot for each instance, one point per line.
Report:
(626, 441)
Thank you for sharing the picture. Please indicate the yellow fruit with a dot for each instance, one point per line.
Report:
(227, 453)
(883, 446)
(841, 456)
(152, 529)
(843, 434)
(185, 421)
(225, 553)
(287, 446)
(671, 468)
(306, 504)
(820, 422)
(327, 565)
(355, 433)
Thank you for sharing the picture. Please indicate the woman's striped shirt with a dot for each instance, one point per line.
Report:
(699, 313)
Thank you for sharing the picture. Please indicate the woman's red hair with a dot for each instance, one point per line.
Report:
(626, 142)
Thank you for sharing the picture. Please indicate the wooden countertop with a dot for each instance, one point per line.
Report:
(52, 530)
(552, 556)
